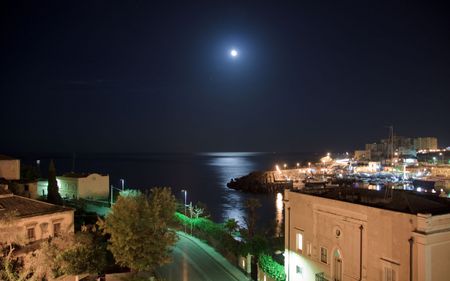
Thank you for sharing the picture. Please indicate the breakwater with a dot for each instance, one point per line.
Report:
(262, 182)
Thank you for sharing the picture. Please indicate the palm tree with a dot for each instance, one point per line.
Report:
(231, 225)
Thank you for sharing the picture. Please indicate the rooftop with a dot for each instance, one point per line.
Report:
(26, 207)
(394, 200)
(6, 157)
(78, 175)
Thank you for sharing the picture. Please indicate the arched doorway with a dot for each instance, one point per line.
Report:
(337, 265)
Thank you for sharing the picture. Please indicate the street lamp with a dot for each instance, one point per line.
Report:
(122, 182)
(285, 165)
(442, 157)
(185, 197)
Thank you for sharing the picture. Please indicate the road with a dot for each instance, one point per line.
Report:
(193, 260)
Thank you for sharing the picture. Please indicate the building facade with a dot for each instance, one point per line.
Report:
(9, 168)
(426, 143)
(79, 186)
(27, 220)
(328, 238)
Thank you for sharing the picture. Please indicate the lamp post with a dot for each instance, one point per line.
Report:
(122, 182)
(185, 197)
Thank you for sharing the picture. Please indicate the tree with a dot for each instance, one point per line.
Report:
(251, 205)
(52, 188)
(231, 225)
(197, 212)
(88, 254)
(138, 229)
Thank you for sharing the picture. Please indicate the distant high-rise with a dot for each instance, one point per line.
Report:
(425, 143)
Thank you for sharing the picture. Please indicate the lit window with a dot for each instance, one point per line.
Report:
(299, 242)
(31, 234)
(323, 255)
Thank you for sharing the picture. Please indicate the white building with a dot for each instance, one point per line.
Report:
(357, 234)
(75, 186)
(9, 168)
(28, 220)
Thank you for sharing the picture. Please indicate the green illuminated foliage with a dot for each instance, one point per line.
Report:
(272, 268)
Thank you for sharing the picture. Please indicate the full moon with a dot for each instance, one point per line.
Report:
(234, 53)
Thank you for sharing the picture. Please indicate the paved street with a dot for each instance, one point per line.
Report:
(196, 261)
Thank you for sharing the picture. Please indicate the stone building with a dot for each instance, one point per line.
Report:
(79, 186)
(357, 234)
(9, 168)
(28, 220)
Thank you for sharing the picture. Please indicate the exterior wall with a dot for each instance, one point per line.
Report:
(432, 243)
(94, 186)
(28, 190)
(362, 155)
(43, 226)
(425, 143)
(42, 188)
(68, 187)
(10, 169)
(385, 241)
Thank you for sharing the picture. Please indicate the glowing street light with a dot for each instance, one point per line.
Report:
(285, 165)
(185, 197)
(234, 53)
(122, 182)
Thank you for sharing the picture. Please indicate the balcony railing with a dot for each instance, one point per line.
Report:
(321, 277)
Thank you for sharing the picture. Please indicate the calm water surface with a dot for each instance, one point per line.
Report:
(203, 175)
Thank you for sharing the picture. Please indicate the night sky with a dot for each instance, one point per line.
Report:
(139, 76)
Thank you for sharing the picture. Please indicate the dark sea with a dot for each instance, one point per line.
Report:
(203, 175)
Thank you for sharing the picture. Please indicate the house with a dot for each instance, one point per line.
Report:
(27, 220)
(79, 186)
(358, 234)
(9, 168)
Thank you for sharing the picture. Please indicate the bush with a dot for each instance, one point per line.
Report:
(272, 268)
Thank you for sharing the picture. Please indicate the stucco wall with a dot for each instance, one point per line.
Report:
(43, 225)
(385, 238)
(94, 186)
(10, 169)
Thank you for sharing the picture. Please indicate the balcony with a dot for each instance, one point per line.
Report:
(321, 277)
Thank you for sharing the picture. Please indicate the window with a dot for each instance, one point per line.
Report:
(389, 269)
(389, 274)
(323, 255)
(31, 234)
(56, 229)
(299, 242)
(308, 248)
